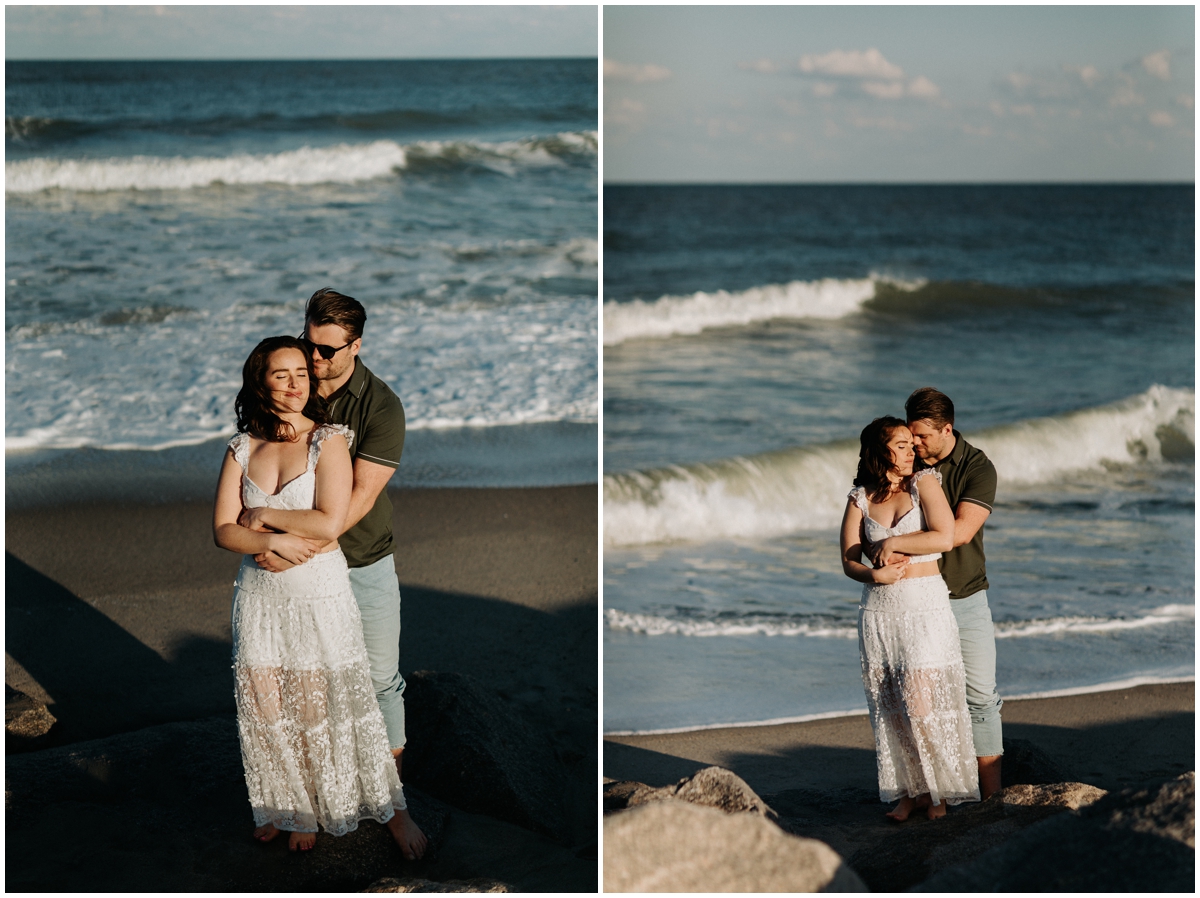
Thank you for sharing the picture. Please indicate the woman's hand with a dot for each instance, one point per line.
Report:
(890, 573)
(295, 549)
(251, 519)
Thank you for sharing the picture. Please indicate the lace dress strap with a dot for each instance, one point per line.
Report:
(859, 495)
(919, 475)
(321, 434)
(240, 444)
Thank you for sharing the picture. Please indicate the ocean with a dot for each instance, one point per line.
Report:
(163, 217)
(751, 332)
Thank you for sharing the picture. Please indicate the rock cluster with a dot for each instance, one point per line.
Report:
(393, 885)
(26, 720)
(469, 747)
(1140, 839)
(710, 833)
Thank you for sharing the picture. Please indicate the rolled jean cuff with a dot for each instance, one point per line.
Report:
(987, 733)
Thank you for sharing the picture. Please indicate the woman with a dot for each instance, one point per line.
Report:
(908, 640)
(313, 739)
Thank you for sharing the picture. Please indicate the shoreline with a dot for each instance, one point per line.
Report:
(1113, 686)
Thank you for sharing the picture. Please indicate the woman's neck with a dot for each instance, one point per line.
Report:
(300, 424)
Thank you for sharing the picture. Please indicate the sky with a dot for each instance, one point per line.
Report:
(705, 94)
(298, 32)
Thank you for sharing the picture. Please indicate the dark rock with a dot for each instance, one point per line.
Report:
(167, 809)
(469, 747)
(713, 787)
(1140, 839)
(919, 848)
(26, 721)
(1025, 763)
(391, 884)
(673, 846)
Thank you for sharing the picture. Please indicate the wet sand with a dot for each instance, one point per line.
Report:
(118, 618)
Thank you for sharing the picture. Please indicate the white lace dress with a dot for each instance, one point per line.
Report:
(913, 674)
(313, 739)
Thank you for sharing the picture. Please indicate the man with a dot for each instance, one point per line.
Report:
(333, 327)
(969, 482)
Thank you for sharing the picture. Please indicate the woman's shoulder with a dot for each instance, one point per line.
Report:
(925, 474)
(323, 432)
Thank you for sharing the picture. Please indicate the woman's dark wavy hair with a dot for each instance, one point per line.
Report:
(875, 460)
(255, 411)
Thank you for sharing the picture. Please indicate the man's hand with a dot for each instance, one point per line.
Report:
(890, 573)
(269, 561)
(277, 564)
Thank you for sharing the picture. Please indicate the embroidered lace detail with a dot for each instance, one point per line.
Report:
(912, 521)
(297, 494)
(915, 684)
(314, 744)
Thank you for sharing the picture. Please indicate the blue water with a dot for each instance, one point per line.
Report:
(163, 217)
(751, 332)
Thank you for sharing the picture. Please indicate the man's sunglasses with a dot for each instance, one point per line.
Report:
(327, 352)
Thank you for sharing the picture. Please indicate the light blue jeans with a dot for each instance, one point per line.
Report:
(978, 639)
(377, 592)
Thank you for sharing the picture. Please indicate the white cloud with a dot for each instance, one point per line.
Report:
(1162, 119)
(639, 74)
(1185, 100)
(764, 66)
(997, 107)
(883, 90)
(887, 123)
(626, 112)
(1088, 74)
(1158, 64)
(1126, 95)
(1019, 81)
(924, 88)
(851, 64)
(824, 89)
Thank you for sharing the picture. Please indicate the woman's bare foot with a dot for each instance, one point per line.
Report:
(408, 835)
(901, 811)
(302, 841)
(936, 811)
(266, 832)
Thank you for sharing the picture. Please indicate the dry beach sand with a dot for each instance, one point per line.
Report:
(819, 776)
(118, 618)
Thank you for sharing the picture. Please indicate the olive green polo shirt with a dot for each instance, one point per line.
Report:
(368, 406)
(967, 476)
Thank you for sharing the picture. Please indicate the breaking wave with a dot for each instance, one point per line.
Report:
(671, 316)
(729, 623)
(341, 164)
(804, 488)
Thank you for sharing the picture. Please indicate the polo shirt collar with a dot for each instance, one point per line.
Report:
(356, 384)
(960, 449)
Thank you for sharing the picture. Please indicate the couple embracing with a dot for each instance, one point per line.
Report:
(926, 640)
(316, 607)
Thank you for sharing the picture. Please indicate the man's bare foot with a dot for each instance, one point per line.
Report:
(302, 841)
(901, 811)
(408, 835)
(936, 811)
(266, 832)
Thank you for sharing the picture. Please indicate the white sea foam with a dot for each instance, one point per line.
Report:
(341, 164)
(732, 625)
(805, 488)
(170, 379)
(671, 316)
(817, 626)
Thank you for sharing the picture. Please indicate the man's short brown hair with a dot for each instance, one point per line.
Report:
(327, 306)
(927, 404)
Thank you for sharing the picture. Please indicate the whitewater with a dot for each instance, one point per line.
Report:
(804, 488)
